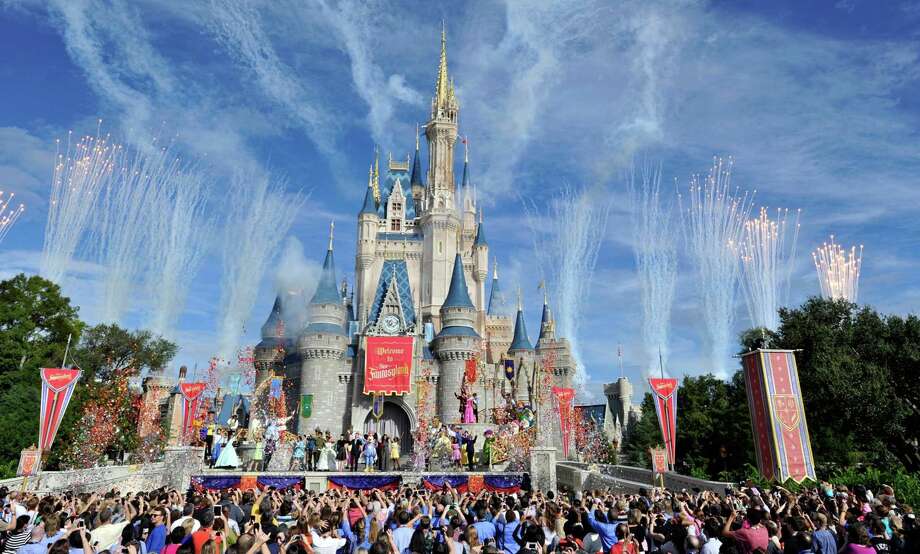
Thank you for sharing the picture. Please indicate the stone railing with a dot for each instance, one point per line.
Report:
(578, 476)
(174, 471)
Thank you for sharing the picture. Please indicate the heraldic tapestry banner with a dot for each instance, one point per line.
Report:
(782, 445)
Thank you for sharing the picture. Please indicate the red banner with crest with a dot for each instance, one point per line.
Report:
(57, 388)
(564, 398)
(665, 391)
(659, 460)
(388, 365)
(781, 441)
(191, 402)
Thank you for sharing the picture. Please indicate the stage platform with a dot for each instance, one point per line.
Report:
(215, 479)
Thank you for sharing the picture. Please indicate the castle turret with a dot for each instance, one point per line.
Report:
(441, 132)
(268, 354)
(322, 347)
(415, 179)
(521, 351)
(368, 223)
(480, 272)
(552, 352)
(498, 322)
(457, 342)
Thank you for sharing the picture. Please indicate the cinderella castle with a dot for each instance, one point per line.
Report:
(422, 271)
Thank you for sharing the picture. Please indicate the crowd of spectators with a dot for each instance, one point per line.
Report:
(411, 520)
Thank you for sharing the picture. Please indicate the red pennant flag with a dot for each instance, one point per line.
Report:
(191, 401)
(666, 407)
(57, 388)
(565, 397)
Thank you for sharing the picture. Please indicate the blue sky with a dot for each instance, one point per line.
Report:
(816, 101)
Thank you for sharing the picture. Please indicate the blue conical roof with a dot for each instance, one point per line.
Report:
(480, 236)
(498, 306)
(369, 206)
(546, 325)
(271, 326)
(458, 296)
(465, 181)
(416, 178)
(520, 340)
(326, 290)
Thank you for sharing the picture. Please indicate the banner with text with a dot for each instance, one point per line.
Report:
(564, 398)
(665, 391)
(57, 388)
(191, 401)
(388, 365)
(781, 442)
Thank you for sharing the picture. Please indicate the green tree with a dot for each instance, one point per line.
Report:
(35, 322)
(105, 416)
(713, 428)
(644, 434)
(860, 378)
(107, 351)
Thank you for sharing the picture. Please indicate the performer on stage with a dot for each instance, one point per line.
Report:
(369, 453)
(228, 457)
(394, 454)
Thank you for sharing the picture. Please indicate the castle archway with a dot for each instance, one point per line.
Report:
(395, 421)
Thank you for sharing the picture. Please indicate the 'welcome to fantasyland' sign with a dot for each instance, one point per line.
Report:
(388, 365)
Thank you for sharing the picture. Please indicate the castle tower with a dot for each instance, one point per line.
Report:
(622, 411)
(554, 351)
(480, 273)
(322, 348)
(441, 132)
(498, 322)
(368, 222)
(457, 342)
(522, 353)
(439, 222)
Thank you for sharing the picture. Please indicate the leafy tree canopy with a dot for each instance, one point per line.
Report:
(860, 378)
(35, 322)
(106, 351)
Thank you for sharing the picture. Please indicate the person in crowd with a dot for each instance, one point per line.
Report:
(156, 537)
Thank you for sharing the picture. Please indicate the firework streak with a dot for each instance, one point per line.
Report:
(191, 398)
(666, 407)
(57, 388)
(781, 439)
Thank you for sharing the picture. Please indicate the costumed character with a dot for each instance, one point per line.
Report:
(487, 448)
(228, 457)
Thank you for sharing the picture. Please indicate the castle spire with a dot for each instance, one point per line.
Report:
(442, 87)
(375, 175)
(520, 341)
(498, 307)
(415, 178)
(327, 290)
